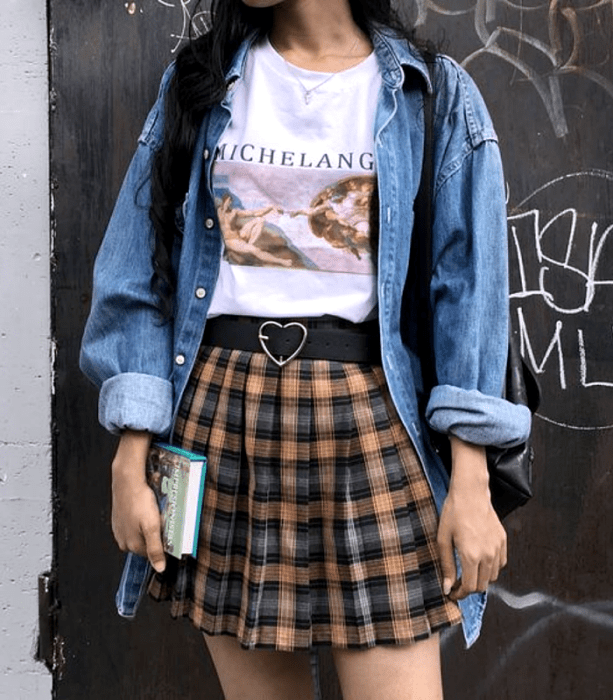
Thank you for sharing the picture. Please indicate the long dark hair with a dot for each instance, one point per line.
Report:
(197, 84)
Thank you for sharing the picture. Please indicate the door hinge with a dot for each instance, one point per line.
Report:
(50, 644)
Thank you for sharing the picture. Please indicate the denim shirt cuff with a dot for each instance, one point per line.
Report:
(136, 402)
(477, 418)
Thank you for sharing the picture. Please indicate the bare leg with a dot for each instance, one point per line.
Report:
(410, 672)
(259, 674)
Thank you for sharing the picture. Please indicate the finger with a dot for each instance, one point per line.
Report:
(488, 571)
(154, 548)
(129, 544)
(496, 568)
(136, 547)
(448, 567)
(118, 538)
(503, 553)
(468, 582)
(499, 562)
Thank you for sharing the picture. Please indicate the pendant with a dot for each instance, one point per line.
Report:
(307, 97)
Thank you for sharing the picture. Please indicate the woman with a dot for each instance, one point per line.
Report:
(297, 379)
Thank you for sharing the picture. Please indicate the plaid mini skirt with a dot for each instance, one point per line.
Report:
(318, 525)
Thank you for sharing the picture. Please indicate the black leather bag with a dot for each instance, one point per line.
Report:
(510, 469)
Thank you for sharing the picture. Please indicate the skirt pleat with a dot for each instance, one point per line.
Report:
(318, 525)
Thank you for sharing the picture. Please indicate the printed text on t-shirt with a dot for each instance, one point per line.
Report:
(249, 153)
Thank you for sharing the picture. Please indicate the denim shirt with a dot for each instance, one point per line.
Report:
(142, 365)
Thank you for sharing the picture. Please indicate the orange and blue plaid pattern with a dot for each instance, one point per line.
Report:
(318, 525)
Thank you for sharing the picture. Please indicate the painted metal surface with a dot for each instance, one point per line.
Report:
(546, 72)
(25, 367)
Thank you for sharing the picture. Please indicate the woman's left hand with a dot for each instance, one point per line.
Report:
(470, 525)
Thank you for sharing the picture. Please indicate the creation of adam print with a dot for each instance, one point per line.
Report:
(330, 232)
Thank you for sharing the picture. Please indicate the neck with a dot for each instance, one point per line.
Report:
(318, 34)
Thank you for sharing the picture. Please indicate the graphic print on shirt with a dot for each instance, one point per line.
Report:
(302, 220)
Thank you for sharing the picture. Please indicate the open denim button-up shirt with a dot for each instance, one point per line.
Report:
(142, 366)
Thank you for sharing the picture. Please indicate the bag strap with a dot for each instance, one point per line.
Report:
(422, 236)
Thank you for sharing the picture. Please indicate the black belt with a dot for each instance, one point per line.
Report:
(284, 339)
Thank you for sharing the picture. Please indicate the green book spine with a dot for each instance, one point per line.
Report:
(168, 474)
(173, 525)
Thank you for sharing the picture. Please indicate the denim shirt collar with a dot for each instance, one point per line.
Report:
(394, 54)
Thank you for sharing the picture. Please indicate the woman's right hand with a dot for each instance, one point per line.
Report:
(135, 517)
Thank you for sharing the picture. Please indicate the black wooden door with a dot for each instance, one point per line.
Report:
(545, 69)
(107, 59)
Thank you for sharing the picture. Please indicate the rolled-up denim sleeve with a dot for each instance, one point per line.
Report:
(469, 288)
(476, 417)
(136, 402)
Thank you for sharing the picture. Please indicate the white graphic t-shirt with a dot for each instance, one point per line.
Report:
(293, 179)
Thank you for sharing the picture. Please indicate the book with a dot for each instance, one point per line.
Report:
(177, 477)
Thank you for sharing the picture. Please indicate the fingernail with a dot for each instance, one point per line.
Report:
(446, 586)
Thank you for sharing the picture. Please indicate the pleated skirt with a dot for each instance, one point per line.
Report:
(318, 525)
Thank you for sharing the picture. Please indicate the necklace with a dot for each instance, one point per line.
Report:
(309, 92)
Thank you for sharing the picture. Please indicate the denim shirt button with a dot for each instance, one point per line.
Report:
(180, 359)
(209, 223)
(206, 154)
(200, 292)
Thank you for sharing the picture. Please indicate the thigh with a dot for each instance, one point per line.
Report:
(387, 672)
(259, 674)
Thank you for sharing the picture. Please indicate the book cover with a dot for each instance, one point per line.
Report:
(177, 479)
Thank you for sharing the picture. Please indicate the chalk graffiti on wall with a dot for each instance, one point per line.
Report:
(194, 26)
(543, 41)
(548, 610)
(562, 290)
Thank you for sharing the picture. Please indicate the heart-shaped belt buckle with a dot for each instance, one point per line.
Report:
(263, 338)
